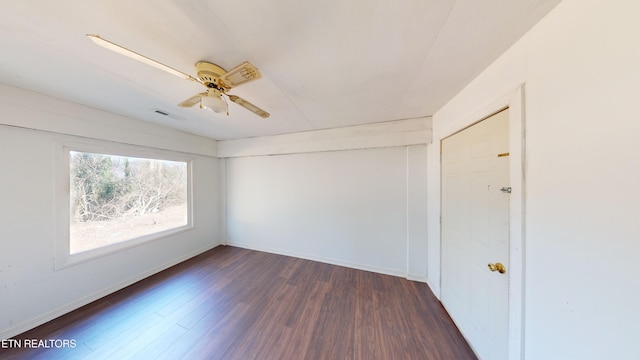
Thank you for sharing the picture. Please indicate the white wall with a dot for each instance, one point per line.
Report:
(581, 66)
(31, 291)
(417, 225)
(358, 208)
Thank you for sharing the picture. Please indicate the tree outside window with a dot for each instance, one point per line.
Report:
(118, 198)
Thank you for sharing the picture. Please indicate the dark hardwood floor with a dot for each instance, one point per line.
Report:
(232, 303)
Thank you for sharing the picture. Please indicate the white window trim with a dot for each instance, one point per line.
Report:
(62, 206)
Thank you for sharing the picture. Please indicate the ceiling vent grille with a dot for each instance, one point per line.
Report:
(166, 113)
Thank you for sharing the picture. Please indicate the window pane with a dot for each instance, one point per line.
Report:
(118, 198)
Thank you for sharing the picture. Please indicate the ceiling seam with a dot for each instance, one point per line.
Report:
(435, 41)
(244, 50)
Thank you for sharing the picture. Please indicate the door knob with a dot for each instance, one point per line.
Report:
(497, 267)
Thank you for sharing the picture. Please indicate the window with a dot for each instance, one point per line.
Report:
(114, 201)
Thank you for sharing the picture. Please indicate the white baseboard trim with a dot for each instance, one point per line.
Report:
(416, 277)
(348, 264)
(433, 290)
(28, 325)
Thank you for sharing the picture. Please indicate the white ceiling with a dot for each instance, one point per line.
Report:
(325, 64)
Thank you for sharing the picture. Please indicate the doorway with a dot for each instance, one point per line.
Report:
(475, 254)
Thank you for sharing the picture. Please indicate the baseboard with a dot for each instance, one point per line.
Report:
(416, 277)
(434, 290)
(19, 329)
(321, 259)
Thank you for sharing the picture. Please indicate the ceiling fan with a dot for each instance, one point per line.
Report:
(217, 80)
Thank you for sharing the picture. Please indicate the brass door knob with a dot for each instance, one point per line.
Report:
(497, 267)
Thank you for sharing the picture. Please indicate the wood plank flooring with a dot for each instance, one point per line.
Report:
(232, 303)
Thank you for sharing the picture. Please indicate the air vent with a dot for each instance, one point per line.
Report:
(166, 113)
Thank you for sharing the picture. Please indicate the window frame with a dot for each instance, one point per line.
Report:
(63, 257)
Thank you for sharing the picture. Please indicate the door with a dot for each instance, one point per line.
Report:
(475, 233)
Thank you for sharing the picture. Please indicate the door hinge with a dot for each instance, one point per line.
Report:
(506, 190)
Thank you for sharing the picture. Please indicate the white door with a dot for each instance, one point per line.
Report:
(475, 233)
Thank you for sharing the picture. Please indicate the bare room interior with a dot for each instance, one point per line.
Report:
(437, 179)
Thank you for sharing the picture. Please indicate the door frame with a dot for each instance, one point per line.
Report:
(515, 102)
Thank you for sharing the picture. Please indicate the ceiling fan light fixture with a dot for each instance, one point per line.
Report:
(213, 101)
(216, 79)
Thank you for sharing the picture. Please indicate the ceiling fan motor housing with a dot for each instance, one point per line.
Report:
(210, 74)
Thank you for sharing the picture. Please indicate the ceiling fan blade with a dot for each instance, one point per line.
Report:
(249, 106)
(134, 55)
(240, 74)
(192, 100)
